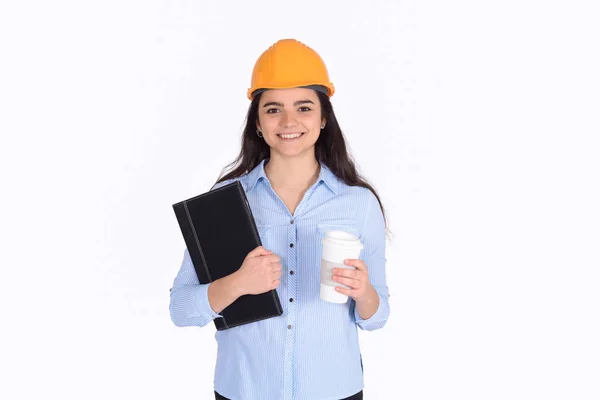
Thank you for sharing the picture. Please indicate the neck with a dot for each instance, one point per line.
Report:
(296, 173)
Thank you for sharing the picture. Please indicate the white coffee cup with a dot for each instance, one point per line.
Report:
(337, 247)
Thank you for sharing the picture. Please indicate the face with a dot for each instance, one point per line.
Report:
(290, 120)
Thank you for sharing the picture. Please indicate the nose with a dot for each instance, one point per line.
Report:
(288, 119)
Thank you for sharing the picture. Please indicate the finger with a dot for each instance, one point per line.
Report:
(359, 264)
(348, 273)
(269, 260)
(273, 258)
(353, 283)
(276, 283)
(277, 274)
(347, 292)
(277, 266)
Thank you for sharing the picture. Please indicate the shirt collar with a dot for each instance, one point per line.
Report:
(325, 175)
(256, 174)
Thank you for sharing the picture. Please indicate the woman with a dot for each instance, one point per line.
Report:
(300, 183)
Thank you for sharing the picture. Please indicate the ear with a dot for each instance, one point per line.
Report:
(258, 125)
(323, 123)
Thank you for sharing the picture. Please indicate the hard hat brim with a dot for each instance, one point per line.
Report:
(327, 89)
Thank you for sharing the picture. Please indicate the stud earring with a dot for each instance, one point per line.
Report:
(258, 133)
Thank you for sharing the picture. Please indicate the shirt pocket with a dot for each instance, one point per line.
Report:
(324, 227)
(265, 232)
(344, 226)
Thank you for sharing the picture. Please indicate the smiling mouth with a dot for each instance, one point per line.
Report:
(290, 136)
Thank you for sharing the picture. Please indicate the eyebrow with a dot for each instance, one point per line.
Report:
(297, 103)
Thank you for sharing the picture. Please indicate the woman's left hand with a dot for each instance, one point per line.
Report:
(357, 279)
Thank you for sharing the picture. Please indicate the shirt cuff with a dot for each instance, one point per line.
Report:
(377, 320)
(202, 304)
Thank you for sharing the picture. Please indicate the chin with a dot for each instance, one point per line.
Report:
(294, 152)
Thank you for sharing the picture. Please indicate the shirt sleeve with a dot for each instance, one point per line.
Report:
(189, 305)
(373, 255)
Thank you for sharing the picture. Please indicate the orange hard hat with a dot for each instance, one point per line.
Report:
(288, 64)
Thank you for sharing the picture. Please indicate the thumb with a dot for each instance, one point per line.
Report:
(259, 251)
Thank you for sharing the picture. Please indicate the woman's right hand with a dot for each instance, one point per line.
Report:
(260, 272)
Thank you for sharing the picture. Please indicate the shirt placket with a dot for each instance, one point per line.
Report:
(290, 338)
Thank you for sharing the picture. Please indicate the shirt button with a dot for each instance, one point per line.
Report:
(289, 327)
(291, 244)
(291, 300)
(291, 221)
(291, 272)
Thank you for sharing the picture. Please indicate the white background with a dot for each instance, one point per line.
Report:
(477, 122)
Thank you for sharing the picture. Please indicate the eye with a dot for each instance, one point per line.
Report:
(304, 109)
(272, 110)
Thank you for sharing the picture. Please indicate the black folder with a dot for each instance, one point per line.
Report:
(219, 231)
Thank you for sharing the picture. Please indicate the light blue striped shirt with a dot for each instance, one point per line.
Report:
(311, 352)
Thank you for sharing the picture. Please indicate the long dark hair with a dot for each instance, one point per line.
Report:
(330, 149)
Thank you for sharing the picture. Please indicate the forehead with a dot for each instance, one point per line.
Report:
(289, 96)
